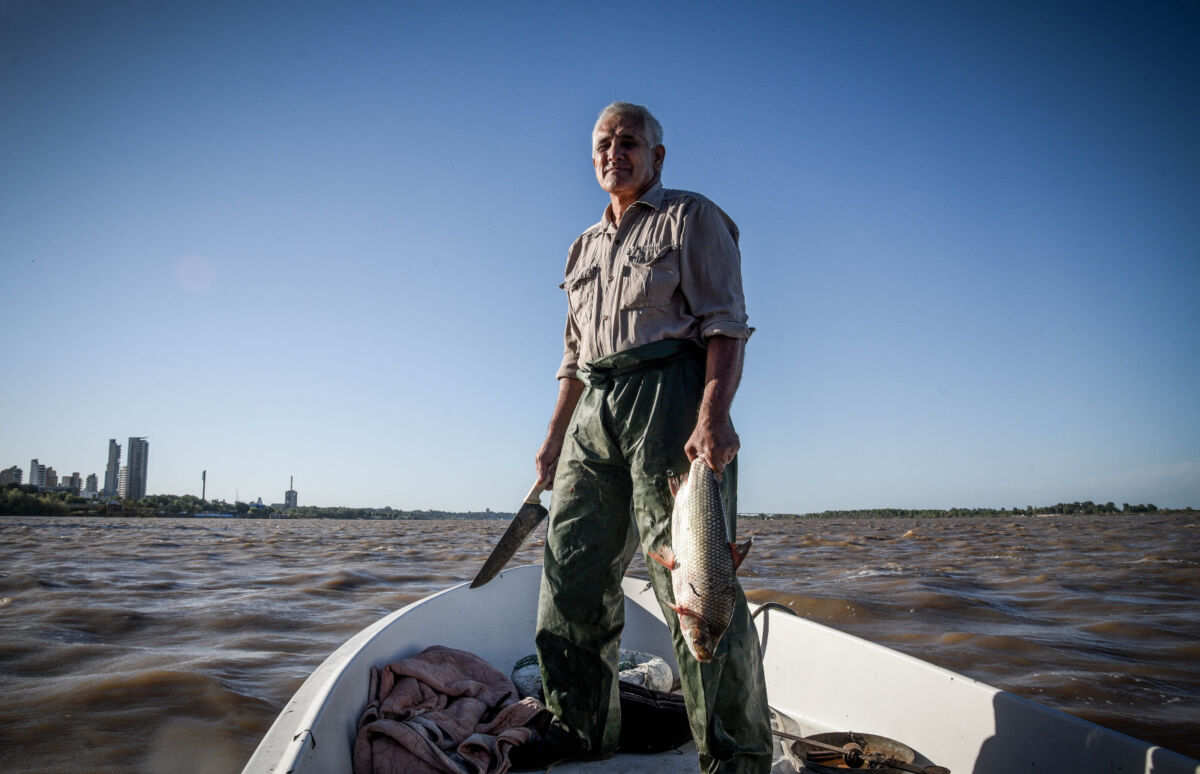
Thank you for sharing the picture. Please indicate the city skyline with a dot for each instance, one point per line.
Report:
(126, 481)
(290, 496)
(120, 477)
(334, 238)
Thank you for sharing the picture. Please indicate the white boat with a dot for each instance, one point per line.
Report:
(818, 680)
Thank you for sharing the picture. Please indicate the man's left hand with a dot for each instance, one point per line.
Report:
(714, 442)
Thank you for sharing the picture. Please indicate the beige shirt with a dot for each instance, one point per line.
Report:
(671, 270)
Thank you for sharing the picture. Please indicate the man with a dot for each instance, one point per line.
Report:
(655, 335)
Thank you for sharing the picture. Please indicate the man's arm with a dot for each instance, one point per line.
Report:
(714, 438)
(546, 461)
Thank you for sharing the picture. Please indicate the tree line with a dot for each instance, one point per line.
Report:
(1086, 508)
(27, 500)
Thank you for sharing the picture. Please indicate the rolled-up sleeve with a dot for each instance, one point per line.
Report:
(572, 335)
(569, 368)
(711, 271)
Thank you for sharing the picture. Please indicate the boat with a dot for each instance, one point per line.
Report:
(820, 681)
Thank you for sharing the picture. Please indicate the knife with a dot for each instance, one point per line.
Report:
(528, 517)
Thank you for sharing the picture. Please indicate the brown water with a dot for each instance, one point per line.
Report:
(170, 645)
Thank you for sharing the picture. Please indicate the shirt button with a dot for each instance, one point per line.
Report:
(605, 317)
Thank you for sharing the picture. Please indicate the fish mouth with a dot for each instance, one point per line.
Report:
(700, 650)
(701, 654)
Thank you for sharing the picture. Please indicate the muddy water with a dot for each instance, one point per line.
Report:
(169, 645)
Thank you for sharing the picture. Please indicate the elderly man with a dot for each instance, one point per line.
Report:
(655, 335)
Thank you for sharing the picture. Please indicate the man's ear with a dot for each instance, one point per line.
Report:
(660, 153)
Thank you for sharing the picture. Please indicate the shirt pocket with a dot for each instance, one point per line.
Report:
(651, 276)
(581, 293)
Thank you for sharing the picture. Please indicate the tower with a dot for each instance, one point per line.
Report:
(290, 497)
(112, 473)
(37, 473)
(139, 458)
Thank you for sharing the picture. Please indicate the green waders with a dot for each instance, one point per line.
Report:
(635, 415)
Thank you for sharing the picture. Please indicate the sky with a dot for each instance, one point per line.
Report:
(324, 240)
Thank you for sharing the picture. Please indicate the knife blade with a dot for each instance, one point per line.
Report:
(529, 516)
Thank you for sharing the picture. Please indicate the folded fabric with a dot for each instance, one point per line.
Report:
(443, 711)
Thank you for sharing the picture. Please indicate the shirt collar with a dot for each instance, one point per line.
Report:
(653, 198)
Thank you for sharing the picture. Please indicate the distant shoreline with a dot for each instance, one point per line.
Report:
(24, 500)
(495, 516)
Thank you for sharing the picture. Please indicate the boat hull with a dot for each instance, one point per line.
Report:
(819, 678)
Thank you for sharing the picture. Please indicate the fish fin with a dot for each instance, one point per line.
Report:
(680, 610)
(739, 552)
(676, 482)
(664, 556)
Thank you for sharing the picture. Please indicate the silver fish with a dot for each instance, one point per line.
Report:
(701, 559)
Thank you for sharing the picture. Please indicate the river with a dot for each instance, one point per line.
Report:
(169, 645)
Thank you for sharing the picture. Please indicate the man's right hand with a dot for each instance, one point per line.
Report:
(546, 461)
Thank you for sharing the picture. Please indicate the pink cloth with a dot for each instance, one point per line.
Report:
(441, 711)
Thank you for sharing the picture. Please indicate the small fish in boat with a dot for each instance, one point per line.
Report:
(701, 559)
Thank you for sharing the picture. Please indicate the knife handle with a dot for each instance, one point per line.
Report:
(535, 494)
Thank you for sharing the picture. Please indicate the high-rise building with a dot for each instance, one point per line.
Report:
(139, 458)
(123, 482)
(37, 473)
(10, 476)
(72, 483)
(90, 486)
(112, 473)
(50, 478)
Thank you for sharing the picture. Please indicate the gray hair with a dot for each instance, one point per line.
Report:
(652, 131)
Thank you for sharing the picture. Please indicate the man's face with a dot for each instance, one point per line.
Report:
(625, 164)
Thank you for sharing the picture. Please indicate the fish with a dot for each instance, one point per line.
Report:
(701, 560)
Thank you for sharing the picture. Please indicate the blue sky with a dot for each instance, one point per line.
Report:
(324, 240)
